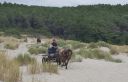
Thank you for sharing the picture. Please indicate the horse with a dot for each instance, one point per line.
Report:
(38, 40)
(64, 55)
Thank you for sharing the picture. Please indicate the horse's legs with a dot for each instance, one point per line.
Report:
(66, 64)
(58, 61)
(63, 64)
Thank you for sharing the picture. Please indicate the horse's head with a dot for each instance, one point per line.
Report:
(64, 52)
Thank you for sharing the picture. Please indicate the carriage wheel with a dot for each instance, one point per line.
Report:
(43, 60)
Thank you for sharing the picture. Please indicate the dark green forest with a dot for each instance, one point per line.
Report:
(90, 23)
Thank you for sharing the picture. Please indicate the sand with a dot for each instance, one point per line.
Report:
(89, 70)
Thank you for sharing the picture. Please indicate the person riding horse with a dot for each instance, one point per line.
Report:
(53, 48)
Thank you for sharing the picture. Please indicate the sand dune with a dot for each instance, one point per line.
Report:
(89, 70)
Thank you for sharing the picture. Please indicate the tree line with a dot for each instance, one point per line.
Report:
(90, 23)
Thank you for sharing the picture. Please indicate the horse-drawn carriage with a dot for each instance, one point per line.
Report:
(60, 56)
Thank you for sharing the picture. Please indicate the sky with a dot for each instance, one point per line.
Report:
(62, 3)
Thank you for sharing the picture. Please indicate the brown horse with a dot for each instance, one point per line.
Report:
(64, 56)
(38, 40)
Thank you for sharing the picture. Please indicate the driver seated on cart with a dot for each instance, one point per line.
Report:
(52, 49)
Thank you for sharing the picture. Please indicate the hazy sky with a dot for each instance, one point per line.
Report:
(60, 3)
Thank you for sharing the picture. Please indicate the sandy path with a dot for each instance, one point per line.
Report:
(20, 50)
(122, 56)
(87, 71)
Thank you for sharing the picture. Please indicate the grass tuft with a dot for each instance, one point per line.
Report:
(37, 49)
(76, 58)
(36, 68)
(11, 43)
(103, 44)
(25, 59)
(92, 45)
(49, 67)
(9, 69)
(96, 54)
(119, 49)
(76, 44)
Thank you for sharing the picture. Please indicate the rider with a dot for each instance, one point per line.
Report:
(53, 47)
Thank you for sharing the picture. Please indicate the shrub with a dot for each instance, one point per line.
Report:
(86, 53)
(76, 58)
(37, 50)
(76, 44)
(119, 49)
(113, 50)
(103, 44)
(11, 43)
(92, 45)
(46, 45)
(68, 46)
(12, 46)
(79, 45)
(61, 43)
(102, 55)
(95, 54)
(24, 59)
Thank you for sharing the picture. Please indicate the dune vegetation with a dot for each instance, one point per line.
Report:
(92, 50)
(38, 49)
(37, 68)
(81, 51)
(9, 69)
(97, 32)
(25, 59)
(10, 42)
